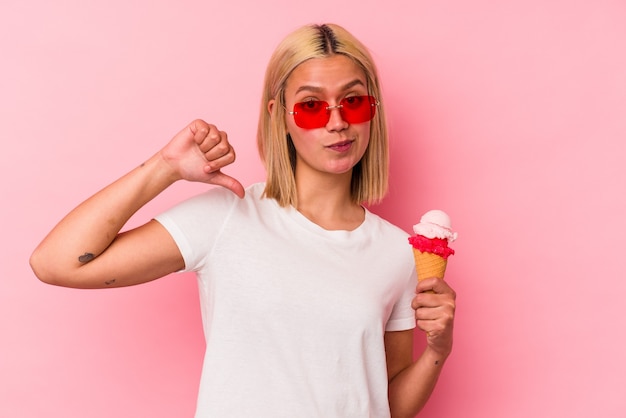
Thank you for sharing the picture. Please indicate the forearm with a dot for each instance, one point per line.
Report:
(92, 226)
(411, 388)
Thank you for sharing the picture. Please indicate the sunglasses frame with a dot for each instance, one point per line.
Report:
(328, 108)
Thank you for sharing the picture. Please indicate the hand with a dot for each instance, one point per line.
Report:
(198, 153)
(435, 313)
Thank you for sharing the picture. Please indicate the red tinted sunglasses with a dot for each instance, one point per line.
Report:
(314, 114)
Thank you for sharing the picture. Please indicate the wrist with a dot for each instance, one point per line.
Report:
(435, 356)
(161, 170)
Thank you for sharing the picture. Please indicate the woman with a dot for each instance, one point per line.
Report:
(308, 299)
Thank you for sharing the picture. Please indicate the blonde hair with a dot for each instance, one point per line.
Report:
(370, 175)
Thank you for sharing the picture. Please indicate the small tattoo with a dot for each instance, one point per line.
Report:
(85, 258)
(109, 282)
(436, 362)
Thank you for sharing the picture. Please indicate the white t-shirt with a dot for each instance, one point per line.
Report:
(294, 315)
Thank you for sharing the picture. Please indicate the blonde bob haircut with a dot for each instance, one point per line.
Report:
(370, 176)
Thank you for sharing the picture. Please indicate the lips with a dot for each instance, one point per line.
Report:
(341, 145)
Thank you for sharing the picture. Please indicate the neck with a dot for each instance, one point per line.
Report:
(326, 201)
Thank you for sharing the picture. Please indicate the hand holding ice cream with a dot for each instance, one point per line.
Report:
(431, 251)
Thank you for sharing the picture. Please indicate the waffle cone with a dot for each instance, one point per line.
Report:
(429, 265)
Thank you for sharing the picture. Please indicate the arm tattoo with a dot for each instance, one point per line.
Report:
(86, 258)
(109, 282)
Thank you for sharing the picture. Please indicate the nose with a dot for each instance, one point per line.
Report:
(336, 122)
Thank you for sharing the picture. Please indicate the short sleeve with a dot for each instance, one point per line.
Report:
(194, 224)
(403, 316)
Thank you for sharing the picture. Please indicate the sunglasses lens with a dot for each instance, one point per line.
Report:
(311, 114)
(358, 109)
(314, 114)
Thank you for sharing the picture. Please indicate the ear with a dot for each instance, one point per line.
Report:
(271, 106)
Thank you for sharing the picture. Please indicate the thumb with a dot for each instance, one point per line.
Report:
(228, 182)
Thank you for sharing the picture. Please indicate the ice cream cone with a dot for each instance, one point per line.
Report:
(430, 244)
(429, 265)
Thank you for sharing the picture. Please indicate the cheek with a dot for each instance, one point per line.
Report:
(364, 134)
(301, 140)
(300, 136)
(292, 129)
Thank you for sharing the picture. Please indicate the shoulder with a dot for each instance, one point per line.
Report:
(389, 239)
(222, 196)
(252, 205)
(210, 206)
(385, 227)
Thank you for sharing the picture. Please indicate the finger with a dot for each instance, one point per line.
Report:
(434, 320)
(425, 298)
(440, 322)
(424, 301)
(224, 180)
(442, 287)
(210, 137)
(198, 128)
(221, 151)
(446, 300)
(217, 164)
(426, 285)
(440, 316)
(433, 284)
(426, 325)
(427, 314)
(433, 329)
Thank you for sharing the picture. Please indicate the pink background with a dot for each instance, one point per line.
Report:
(509, 115)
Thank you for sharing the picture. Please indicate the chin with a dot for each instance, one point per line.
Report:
(341, 169)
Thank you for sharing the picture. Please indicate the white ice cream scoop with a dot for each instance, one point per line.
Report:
(435, 224)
